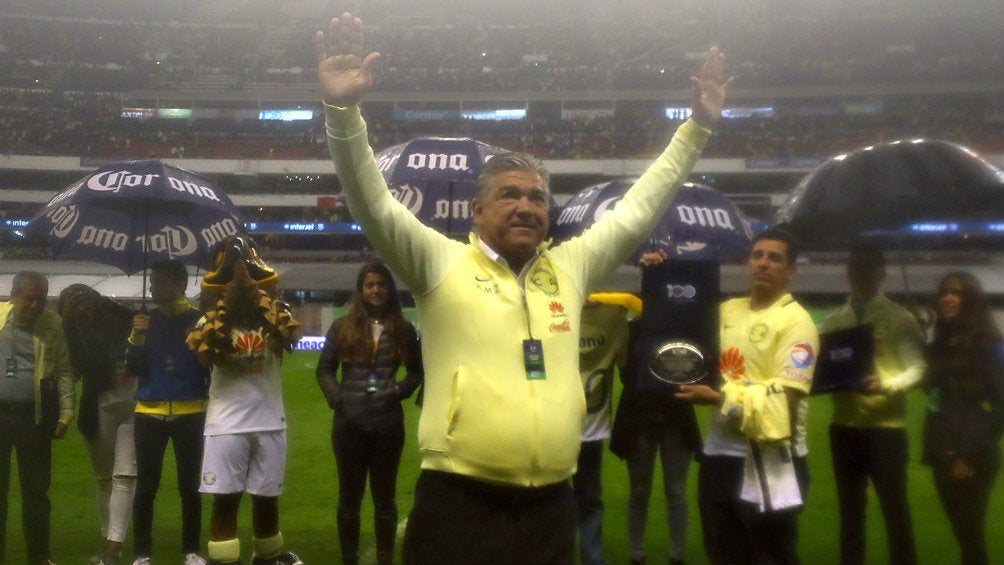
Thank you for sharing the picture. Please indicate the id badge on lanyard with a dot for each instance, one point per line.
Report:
(533, 360)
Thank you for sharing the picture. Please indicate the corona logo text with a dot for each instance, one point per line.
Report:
(408, 195)
(680, 291)
(63, 219)
(192, 188)
(572, 214)
(114, 181)
(173, 241)
(607, 204)
(710, 217)
(65, 194)
(386, 162)
(102, 238)
(438, 161)
(218, 232)
(452, 209)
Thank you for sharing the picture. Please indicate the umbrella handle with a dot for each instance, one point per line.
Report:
(906, 280)
(142, 303)
(146, 251)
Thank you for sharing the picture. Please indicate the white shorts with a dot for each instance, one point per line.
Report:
(253, 462)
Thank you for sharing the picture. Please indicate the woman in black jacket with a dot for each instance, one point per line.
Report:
(965, 411)
(370, 343)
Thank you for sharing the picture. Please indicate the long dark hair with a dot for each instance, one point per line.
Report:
(354, 343)
(96, 329)
(92, 323)
(92, 318)
(972, 328)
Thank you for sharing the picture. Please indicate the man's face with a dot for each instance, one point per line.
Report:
(512, 216)
(768, 266)
(864, 274)
(29, 301)
(163, 290)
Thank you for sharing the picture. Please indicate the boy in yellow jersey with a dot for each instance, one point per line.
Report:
(603, 343)
(768, 352)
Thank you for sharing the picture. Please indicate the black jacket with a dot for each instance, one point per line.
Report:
(965, 413)
(349, 397)
(647, 405)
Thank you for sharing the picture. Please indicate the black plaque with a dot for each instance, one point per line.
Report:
(679, 321)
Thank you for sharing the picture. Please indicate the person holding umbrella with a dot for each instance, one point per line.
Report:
(868, 439)
(170, 406)
(965, 409)
(502, 415)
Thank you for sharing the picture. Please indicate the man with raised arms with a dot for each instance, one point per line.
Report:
(500, 428)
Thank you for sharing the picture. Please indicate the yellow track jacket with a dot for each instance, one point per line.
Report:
(482, 417)
(52, 360)
(899, 363)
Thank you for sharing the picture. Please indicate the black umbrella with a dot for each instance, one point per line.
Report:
(916, 192)
(133, 213)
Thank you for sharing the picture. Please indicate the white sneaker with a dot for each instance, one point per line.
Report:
(191, 559)
(142, 560)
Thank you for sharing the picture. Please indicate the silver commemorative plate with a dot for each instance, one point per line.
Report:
(677, 362)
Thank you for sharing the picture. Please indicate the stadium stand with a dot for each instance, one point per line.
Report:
(95, 80)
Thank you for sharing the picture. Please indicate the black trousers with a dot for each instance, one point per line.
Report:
(880, 455)
(965, 503)
(359, 453)
(152, 434)
(33, 445)
(735, 531)
(457, 520)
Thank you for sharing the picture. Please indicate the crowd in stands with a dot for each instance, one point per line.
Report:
(71, 68)
(89, 124)
(250, 43)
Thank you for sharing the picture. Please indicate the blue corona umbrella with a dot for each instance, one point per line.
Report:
(133, 213)
(434, 178)
(701, 223)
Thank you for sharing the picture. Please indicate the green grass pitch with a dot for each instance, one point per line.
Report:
(308, 505)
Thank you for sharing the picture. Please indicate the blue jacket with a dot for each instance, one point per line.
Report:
(167, 369)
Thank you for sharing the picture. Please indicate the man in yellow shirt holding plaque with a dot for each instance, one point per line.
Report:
(753, 472)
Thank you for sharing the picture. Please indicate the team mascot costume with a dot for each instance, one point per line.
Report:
(243, 336)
